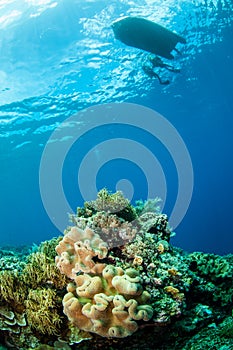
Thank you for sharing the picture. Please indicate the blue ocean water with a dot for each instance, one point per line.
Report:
(60, 57)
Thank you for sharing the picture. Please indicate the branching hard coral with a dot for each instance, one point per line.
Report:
(77, 249)
(12, 289)
(48, 248)
(40, 270)
(109, 303)
(42, 310)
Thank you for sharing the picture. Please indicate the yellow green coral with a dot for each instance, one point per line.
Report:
(42, 310)
(109, 202)
(12, 289)
(41, 270)
(29, 299)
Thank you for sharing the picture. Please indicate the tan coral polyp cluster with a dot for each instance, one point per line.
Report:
(77, 249)
(108, 304)
(102, 298)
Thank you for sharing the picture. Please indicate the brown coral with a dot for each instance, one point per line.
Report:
(112, 229)
(12, 289)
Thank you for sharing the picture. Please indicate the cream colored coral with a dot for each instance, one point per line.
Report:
(109, 303)
(129, 283)
(88, 286)
(77, 249)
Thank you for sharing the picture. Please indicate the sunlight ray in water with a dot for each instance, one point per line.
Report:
(78, 54)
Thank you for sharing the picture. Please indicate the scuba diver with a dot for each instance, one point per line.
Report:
(151, 73)
(156, 62)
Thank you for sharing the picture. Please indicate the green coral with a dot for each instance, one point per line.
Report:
(214, 276)
(48, 248)
(109, 203)
(209, 338)
(226, 328)
(213, 266)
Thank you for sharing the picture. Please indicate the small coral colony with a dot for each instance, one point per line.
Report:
(112, 277)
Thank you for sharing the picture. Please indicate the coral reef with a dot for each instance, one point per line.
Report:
(115, 280)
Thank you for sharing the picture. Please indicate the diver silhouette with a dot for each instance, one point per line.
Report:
(157, 62)
(151, 73)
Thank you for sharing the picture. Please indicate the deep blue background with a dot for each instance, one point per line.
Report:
(199, 104)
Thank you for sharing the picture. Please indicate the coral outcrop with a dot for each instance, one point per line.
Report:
(115, 280)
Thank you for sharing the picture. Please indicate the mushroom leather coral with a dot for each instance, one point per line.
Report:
(109, 303)
(76, 250)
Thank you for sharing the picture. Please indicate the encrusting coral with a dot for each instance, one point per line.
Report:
(11, 321)
(112, 275)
